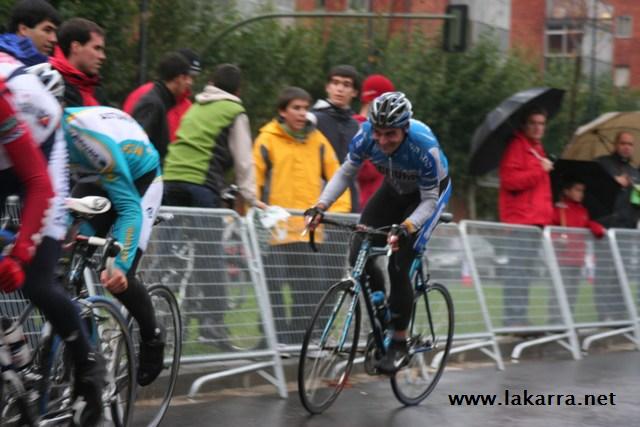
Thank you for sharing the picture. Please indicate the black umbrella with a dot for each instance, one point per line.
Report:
(491, 137)
(601, 189)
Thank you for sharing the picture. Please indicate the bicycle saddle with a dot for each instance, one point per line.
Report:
(89, 205)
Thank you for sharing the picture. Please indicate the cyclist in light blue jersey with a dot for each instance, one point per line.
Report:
(413, 195)
(111, 156)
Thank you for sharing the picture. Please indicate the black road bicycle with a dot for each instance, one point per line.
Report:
(331, 339)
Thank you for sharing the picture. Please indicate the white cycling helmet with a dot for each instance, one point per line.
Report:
(50, 78)
(390, 110)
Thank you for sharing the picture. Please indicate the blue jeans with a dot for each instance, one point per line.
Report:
(212, 298)
(177, 193)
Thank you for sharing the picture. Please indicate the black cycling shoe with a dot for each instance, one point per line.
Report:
(88, 386)
(151, 358)
(395, 358)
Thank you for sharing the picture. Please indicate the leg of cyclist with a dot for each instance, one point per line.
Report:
(136, 298)
(58, 309)
(387, 207)
(401, 298)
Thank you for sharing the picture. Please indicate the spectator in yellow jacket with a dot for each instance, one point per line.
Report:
(293, 162)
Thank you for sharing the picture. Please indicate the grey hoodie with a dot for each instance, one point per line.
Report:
(240, 143)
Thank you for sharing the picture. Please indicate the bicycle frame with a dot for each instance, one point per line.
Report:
(367, 251)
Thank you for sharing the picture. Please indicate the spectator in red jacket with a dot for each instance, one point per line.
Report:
(369, 179)
(524, 198)
(571, 248)
(175, 113)
(79, 56)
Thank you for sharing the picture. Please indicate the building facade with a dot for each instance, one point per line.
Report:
(602, 36)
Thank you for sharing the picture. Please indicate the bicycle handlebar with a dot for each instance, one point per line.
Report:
(354, 228)
(445, 217)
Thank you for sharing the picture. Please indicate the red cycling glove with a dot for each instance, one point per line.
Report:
(11, 274)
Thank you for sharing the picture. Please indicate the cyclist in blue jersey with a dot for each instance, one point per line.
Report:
(111, 156)
(413, 195)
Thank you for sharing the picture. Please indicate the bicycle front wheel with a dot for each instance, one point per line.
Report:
(329, 347)
(431, 333)
(152, 401)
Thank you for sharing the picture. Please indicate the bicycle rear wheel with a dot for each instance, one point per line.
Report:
(329, 347)
(431, 333)
(110, 335)
(152, 401)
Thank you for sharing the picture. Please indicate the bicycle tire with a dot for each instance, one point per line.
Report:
(415, 381)
(168, 314)
(320, 385)
(54, 365)
(113, 342)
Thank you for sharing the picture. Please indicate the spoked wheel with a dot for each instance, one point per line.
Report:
(431, 332)
(53, 362)
(109, 332)
(329, 347)
(152, 401)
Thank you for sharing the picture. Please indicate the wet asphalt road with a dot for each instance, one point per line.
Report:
(371, 403)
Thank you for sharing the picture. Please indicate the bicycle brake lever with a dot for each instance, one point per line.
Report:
(312, 240)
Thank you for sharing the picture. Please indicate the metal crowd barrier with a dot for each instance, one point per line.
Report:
(247, 292)
(295, 276)
(625, 249)
(591, 278)
(12, 305)
(207, 257)
(516, 280)
(449, 262)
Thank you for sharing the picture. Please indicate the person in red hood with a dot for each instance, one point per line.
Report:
(175, 113)
(524, 198)
(571, 248)
(79, 56)
(369, 179)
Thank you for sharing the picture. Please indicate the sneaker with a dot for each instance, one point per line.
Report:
(151, 357)
(395, 357)
(87, 390)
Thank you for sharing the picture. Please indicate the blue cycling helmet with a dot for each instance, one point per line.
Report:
(390, 110)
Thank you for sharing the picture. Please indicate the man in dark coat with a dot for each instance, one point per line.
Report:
(608, 297)
(175, 80)
(335, 117)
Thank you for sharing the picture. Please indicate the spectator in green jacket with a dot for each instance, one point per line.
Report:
(213, 139)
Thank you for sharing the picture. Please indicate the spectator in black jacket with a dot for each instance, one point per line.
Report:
(335, 117)
(175, 81)
(624, 214)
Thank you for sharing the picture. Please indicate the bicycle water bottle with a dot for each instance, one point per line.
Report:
(384, 315)
(17, 343)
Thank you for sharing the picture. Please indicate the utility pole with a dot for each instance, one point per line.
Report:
(142, 53)
(592, 71)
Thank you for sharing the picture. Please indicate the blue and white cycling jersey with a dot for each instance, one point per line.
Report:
(108, 147)
(417, 165)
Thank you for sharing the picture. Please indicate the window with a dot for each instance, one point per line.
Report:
(624, 26)
(359, 5)
(622, 76)
(563, 39)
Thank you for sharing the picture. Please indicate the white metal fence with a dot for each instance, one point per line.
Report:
(247, 293)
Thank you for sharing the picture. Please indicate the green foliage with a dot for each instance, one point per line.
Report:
(450, 92)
